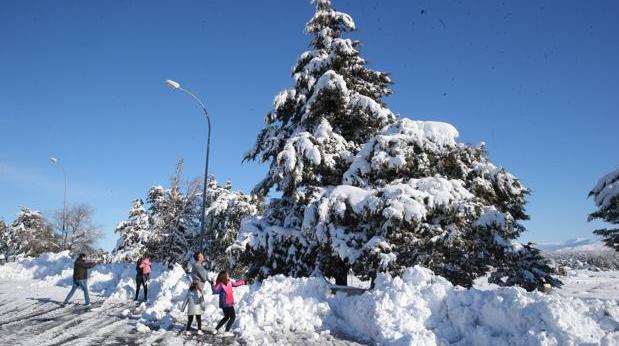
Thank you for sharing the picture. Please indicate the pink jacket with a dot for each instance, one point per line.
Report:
(145, 266)
(226, 297)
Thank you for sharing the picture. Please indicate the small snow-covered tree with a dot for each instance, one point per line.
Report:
(30, 234)
(174, 218)
(81, 234)
(225, 209)
(134, 233)
(606, 197)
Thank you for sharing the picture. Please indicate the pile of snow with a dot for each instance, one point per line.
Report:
(416, 308)
(422, 308)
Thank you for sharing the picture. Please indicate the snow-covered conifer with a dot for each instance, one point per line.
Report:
(365, 192)
(174, 219)
(30, 234)
(134, 234)
(606, 197)
(224, 210)
(317, 127)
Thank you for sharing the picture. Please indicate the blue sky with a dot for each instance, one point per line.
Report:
(538, 81)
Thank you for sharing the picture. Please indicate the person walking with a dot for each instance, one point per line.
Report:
(143, 269)
(80, 278)
(198, 272)
(194, 302)
(223, 287)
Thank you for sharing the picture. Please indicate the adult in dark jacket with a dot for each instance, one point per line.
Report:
(142, 269)
(80, 277)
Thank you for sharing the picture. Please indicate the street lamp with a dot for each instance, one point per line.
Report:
(64, 209)
(176, 86)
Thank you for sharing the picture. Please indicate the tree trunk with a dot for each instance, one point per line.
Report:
(341, 278)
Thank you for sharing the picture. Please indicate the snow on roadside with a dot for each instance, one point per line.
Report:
(416, 308)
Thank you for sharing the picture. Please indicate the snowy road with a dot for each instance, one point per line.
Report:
(30, 314)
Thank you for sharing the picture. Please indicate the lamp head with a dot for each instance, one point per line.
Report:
(53, 160)
(172, 84)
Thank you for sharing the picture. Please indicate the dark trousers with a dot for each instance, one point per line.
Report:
(141, 280)
(229, 316)
(190, 321)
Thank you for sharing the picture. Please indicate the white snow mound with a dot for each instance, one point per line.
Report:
(416, 308)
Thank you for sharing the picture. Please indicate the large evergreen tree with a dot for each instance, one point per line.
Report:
(361, 191)
(312, 134)
(606, 197)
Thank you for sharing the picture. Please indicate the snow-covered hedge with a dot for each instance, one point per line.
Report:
(416, 308)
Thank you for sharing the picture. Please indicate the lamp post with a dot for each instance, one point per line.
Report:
(176, 86)
(64, 208)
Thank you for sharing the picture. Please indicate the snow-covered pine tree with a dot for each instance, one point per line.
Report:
(224, 211)
(30, 234)
(362, 191)
(134, 234)
(174, 219)
(310, 138)
(606, 197)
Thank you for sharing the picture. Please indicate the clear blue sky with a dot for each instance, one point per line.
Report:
(538, 81)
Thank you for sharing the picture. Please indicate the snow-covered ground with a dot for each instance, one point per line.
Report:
(418, 308)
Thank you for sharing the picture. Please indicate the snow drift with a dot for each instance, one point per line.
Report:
(416, 308)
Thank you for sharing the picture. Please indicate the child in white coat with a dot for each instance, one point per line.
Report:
(194, 302)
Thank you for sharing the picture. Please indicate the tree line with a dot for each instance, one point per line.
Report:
(31, 233)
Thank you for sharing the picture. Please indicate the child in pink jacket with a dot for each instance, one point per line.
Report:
(223, 287)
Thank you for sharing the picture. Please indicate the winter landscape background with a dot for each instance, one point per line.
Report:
(371, 225)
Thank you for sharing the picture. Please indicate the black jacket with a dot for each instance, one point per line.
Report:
(80, 269)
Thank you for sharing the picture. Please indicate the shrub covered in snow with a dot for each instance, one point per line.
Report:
(606, 196)
(365, 192)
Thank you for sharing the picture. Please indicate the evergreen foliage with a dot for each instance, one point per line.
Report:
(365, 192)
(606, 196)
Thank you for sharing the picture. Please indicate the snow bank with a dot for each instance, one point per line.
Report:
(49, 267)
(421, 308)
(416, 308)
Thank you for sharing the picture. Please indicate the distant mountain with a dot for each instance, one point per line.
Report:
(573, 245)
